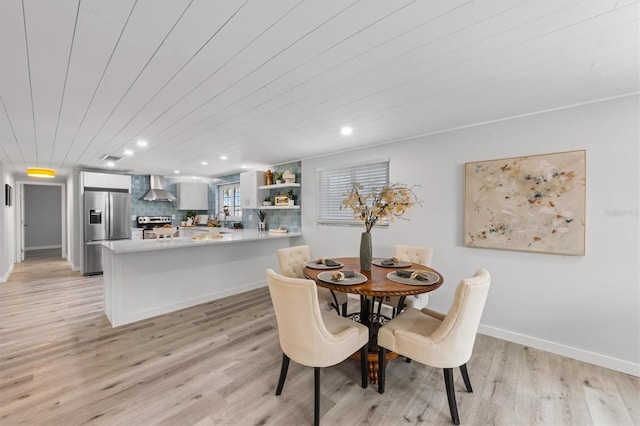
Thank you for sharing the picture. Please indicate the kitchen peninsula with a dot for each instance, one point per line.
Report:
(146, 278)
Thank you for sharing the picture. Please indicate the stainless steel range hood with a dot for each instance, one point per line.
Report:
(156, 191)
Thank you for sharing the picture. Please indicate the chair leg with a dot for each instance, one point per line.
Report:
(465, 377)
(283, 373)
(316, 396)
(344, 309)
(382, 355)
(364, 365)
(451, 396)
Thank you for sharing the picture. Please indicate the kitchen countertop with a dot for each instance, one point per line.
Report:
(234, 236)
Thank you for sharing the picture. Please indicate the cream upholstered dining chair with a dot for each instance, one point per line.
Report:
(413, 254)
(443, 341)
(292, 262)
(310, 336)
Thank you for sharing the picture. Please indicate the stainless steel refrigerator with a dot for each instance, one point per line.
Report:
(106, 216)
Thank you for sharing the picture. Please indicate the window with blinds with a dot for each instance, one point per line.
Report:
(335, 183)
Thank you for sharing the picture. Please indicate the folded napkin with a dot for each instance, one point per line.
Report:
(389, 262)
(341, 275)
(414, 275)
(328, 262)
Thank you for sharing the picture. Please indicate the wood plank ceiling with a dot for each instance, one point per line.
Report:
(265, 82)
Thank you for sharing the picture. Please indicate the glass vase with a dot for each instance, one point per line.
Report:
(366, 255)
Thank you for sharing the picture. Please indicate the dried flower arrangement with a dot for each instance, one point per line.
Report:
(390, 202)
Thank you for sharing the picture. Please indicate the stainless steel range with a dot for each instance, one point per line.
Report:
(147, 223)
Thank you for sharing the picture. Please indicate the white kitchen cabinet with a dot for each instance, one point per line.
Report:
(251, 196)
(136, 233)
(106, 180)
(193, 196)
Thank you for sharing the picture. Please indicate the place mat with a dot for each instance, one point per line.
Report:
(313, 264)
(398, 264)
(432, 278)
(358, 278)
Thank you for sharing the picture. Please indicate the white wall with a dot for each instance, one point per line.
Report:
(585, 307)
(73, 232)
(6, 227)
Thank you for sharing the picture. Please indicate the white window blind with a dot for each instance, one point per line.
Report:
(334, 184)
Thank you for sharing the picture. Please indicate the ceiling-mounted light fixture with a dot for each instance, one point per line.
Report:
(43, 173)
(346, 131)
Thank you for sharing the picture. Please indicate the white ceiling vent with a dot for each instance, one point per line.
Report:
(108, 157)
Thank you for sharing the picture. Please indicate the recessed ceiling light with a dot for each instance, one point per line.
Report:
(223, 157)
(128, 152)
(176, 171)
(346, 131)
(204, 163)
(111, 164)
(142, 143)
(244, 166)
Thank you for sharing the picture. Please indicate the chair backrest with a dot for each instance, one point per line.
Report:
(421, 255)
(303, 335)
(457, 333)
(292, 260)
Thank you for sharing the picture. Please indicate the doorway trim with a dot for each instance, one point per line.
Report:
(19, 217)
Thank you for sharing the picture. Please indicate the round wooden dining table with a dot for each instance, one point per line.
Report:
(372, 294)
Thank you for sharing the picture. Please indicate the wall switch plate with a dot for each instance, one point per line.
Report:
(173, 216)
(250, 217)
(133, 217)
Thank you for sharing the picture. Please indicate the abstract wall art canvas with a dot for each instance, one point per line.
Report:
(534, 203)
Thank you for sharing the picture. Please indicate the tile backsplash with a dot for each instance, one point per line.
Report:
(290, 219)
(287, 218)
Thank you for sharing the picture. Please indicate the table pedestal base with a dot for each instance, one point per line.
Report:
(372, 362)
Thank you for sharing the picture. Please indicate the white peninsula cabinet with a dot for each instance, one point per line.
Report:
(145, 278)
(193, 196)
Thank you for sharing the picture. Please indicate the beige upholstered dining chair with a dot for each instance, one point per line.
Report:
(443, 341)
(413, 254)
(310, 336)
(292, 262)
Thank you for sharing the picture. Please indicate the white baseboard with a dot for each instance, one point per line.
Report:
(6, 276)
(42, 248)
(560, 349)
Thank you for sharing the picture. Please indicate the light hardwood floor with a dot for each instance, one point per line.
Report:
(61, 363)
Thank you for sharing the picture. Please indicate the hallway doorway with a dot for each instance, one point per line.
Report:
(40, 220)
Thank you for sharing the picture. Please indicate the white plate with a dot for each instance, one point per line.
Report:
(433, 278)
(398, 264)
(314, 265)
(358, 278)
